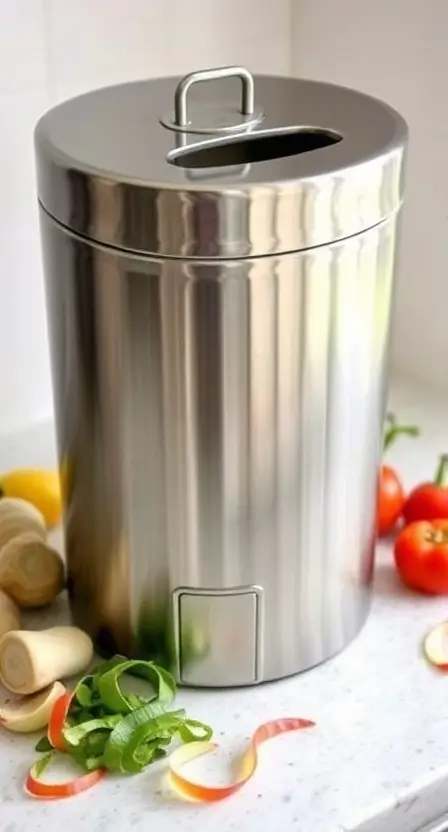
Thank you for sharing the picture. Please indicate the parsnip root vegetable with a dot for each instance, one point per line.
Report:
(18, 517)
(31, 572)
(31, 713)
(14, 505)
(30, 661)
(9, 615)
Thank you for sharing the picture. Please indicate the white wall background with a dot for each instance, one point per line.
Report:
(397, 50)
(52, 49)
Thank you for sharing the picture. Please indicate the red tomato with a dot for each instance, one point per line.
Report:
(390, 500)
(391, 494)
(429, 501)
(421, 556)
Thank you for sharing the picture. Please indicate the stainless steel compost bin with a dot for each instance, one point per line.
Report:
(219, 279)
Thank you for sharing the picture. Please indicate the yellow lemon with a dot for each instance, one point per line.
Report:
(39, 486)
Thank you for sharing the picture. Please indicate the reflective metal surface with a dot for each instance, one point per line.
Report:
(219, 636)
(219, 425)
(107, 167)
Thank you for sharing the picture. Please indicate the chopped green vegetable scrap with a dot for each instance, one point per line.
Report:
(105, 728)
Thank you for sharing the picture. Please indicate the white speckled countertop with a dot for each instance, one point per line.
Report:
(377, 760)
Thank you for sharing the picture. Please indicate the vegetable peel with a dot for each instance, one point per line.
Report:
(107, 730)
(102, 727)
(196, 791)
(113, 697)
(435, 646)
(35, 787)
(57, 721)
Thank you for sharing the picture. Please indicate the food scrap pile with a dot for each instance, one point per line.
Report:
(104, 729)
(97, 725)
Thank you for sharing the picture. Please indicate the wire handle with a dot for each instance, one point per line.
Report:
(180, 95)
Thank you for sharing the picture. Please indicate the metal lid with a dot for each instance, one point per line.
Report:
(291, 165)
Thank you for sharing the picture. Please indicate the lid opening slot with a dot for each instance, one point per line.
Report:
(262, 146)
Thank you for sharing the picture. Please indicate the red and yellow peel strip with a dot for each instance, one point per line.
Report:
(249, 762)
(57, 721)
(34, 786)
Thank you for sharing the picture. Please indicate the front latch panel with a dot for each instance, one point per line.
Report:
(218, 634)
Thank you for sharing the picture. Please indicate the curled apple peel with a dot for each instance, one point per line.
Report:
(248, 764)
(435, 646)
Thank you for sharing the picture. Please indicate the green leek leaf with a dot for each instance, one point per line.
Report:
(113, 698)
(75, 733)
(44, 745)
(122, 733)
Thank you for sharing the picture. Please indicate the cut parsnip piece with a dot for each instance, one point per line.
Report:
(30, 661)
(15, 525)
(9, 614)
(31, 713)
(31, 572)
(19, 517)
(14, 505)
